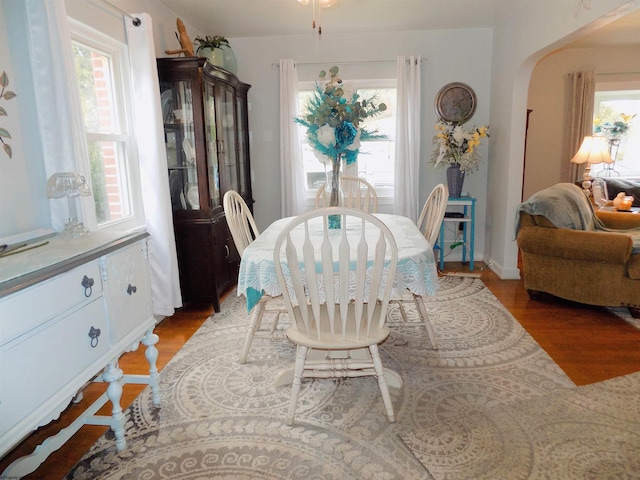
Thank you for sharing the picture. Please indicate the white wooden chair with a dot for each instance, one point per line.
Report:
(329, 282)
(429, 223)
(357, 193)
(244, 231)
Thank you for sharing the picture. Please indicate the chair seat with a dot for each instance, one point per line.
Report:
(350, 341)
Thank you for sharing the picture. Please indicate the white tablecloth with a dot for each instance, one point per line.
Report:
(416, 270)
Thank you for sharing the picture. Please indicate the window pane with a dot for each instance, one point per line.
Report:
(96, 90)
(110, 193)
(612, 112)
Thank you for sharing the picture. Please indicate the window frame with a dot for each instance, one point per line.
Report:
(124, 137)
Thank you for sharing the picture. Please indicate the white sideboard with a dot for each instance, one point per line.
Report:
(68, 310)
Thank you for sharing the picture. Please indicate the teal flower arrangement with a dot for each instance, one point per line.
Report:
(615, 129)
(333, 120)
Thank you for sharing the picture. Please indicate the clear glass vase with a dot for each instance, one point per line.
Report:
(333, 189)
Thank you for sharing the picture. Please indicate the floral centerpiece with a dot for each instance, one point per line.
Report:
(456, 147)
(615, 129)
(333, 120)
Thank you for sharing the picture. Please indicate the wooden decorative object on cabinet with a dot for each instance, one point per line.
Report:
(205, 118)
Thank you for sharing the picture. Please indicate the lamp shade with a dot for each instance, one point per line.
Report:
(593, 150)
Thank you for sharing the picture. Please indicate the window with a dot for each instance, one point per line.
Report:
(376, 159)
(101, 68)
(613, 110)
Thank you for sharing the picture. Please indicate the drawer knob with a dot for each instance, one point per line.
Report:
(94, 333)
(87, 283)
(131, 289)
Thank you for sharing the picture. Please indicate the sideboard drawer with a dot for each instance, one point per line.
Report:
(42, 362)
(127, 290)
(26, 309)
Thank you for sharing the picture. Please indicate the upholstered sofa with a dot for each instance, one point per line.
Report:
(571, 254)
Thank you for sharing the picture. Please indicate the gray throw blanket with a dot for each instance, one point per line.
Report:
(566, 206)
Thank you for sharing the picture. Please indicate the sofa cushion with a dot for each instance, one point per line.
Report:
(631, 186)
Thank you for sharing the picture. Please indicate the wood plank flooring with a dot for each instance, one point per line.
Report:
(588, 343)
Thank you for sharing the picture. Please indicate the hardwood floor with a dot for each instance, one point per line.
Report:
(589, 343)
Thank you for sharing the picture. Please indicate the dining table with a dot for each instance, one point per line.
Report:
(416, 270)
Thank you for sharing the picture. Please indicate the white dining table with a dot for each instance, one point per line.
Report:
(416, 272)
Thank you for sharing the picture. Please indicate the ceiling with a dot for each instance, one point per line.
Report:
(255, 18)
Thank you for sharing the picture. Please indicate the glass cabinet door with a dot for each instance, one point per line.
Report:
(243, 148)
(180, 141)
(227, 156)
(211, 139)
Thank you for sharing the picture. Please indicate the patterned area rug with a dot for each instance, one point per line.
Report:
(623, 313)
(221, 419)
(590, 432)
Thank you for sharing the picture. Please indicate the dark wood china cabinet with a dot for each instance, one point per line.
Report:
(205, 118)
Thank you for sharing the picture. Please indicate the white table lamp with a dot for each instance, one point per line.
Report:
(593, 150)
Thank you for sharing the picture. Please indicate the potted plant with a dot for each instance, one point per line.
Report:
(217, 51)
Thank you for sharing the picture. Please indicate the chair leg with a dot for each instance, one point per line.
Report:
(301, 355)
(422, 311)
(402, 312)
(256, 319)
(275, 323)
(382, 382)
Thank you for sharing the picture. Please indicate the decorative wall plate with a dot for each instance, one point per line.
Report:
(456, 103)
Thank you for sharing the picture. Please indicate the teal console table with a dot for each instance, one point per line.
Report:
(467, 220)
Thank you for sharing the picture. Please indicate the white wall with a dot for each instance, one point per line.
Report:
(546, 99)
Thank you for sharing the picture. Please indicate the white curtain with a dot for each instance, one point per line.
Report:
(165, 286)
(580, 88)
(63, 142)
(291, 168)
(407, 167)
(57, 96)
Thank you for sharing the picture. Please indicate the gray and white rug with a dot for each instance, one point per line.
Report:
(590, 432)
(221, 419)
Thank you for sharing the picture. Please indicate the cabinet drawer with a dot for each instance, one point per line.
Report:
(38, 366)
(31, 307)
(127, 290)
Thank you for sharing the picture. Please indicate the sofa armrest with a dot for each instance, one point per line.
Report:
(603, 247)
